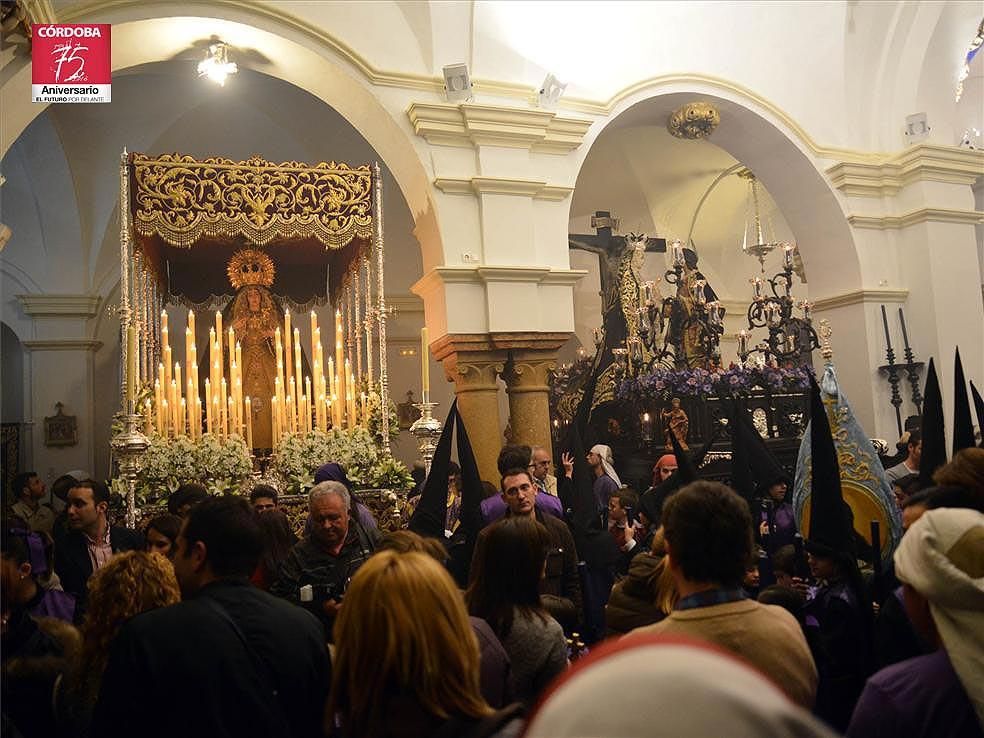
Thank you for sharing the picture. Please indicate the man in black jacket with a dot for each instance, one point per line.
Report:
(90, 540)
(247, 663)
(560, 588)
(317, 570)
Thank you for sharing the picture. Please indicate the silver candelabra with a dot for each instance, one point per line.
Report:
(426, 429)
(129, 447)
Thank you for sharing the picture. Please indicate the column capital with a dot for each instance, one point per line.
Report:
(529, 370)
(467, 343)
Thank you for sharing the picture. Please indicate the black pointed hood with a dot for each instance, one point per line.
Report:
(430, 516)
(963, 426)
(470, 517)
(741, 468)
(831, 531)
(594, 544)
(978, 409)
(933, 434)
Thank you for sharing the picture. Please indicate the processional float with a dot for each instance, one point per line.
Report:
(187, 226)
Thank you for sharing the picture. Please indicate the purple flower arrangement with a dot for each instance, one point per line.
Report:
(735, 381)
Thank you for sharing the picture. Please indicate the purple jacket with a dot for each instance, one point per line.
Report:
(494, 507)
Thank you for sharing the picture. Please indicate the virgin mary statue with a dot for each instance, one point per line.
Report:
(255, 316)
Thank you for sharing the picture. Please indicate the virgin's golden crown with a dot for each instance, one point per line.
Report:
(249, 267)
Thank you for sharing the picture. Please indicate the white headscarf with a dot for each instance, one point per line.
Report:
(605, 452)
(942, 557)
(646, 686)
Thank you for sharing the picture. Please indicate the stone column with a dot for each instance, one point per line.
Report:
(527, 375)
(473, 364)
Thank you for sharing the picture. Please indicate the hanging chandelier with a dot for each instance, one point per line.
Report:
(758, 236)
(216, 65)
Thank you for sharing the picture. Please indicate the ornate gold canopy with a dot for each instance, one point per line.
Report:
(190, 216)
(183, 200)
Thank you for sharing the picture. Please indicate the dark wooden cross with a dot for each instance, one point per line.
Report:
(610, 250)
(608, 247)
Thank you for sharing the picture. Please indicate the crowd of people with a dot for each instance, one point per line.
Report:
(685, 610)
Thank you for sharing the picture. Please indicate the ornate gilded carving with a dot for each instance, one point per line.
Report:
(182, 199)
(250, 267)
(694, 120)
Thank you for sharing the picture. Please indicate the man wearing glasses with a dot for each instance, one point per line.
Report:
(540, 471)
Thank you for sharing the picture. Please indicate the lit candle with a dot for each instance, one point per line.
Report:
(291, 424)
(339, 365)
(290, 414)
(288, 363)
(249, 423)
(216, 415)
(163, 321)
(162, 415)
(275, 418)
(230, 409)
(331, 378)
(238, 400)
(424, 365)
(190, 408)
(677, 249)
(191, 323)
(308, 396)
(224, 420)
(219, 339)
(298, 383)
(173, 406)
(208, 406)
(181, 416)
(167, 361)
(314, 332)
(756, 288)
(147, 412)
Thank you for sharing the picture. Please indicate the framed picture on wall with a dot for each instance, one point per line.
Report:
(60, 429)
(406, 412)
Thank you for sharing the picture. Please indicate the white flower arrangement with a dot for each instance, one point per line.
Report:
(299, 455)
(220, 464)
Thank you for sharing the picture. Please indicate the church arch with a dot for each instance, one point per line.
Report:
(311, 62)
(781, 159)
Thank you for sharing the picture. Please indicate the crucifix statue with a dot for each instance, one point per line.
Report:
(619, 263)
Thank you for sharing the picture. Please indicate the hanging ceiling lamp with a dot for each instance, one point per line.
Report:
(758, 237)
(216, 65)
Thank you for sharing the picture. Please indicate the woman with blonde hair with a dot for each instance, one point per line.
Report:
(406, 660)
(646, 595)
(129, 584)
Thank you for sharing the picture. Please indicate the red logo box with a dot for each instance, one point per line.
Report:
(71, 62)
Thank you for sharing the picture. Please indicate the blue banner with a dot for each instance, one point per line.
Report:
(863, 482)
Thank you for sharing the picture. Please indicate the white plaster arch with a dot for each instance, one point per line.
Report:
(311, 63)
(768, 142)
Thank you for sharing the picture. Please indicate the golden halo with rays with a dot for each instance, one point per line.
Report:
(250, 267)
